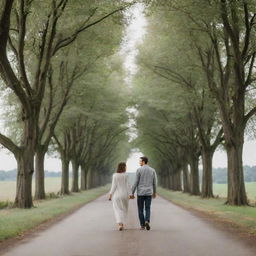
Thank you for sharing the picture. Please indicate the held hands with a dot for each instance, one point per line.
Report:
(131, 196)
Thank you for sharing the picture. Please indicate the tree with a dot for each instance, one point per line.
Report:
(93, 126)
(227, 61)
(19, 35)
(221, 34)
(88, 50)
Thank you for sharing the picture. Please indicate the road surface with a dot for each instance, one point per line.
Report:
(91, 231)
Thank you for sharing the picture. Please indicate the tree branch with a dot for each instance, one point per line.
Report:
(21, 44)
(68, 40)
(249, 115)
(9, 144)
(6, 70)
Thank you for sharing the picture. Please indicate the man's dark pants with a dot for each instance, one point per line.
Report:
(144, 202)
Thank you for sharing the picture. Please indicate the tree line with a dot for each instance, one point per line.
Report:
(12, 175)
(195, 91)
(61, 90)
(219, 175)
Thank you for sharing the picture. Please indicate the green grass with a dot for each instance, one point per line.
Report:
(14, 222)
(243, 216)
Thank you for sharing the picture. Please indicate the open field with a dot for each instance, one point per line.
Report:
(221, 190)
(15, 221)
(243, 216)
(7, 188)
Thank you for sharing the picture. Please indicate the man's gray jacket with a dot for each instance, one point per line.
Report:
(145, 182)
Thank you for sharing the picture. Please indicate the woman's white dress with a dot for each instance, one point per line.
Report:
(120, 191)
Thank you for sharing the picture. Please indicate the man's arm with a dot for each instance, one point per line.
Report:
(154, 184)
(136, 183)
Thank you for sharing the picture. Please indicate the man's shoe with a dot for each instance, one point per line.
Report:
(142, 228)
(147, 225)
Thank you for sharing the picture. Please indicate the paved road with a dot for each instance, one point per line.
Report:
(91, 231)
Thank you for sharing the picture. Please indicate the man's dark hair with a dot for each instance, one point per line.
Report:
(144, 159)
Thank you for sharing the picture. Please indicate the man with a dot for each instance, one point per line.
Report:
(145, 184)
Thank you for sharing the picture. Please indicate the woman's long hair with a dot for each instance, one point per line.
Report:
(121, 167)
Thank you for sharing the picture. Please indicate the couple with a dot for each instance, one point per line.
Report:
(121, 192)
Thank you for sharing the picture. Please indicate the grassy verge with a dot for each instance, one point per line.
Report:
(14, 222)
(240, 216)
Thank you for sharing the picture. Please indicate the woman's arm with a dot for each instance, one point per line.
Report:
(128, 185)
(113, 187)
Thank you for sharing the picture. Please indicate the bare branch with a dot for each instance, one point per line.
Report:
(50, 106)
(68, 40)
(248, 26)
(249, 76)
(9, 144)
(13, 47)
(21, 44)
(219, 138)
(249, 114)
(6, 70)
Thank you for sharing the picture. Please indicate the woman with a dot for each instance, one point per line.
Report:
(119, 194)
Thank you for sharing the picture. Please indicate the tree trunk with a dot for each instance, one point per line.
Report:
(39, 173)
(236, 186)
(161, 180)
(164, 179)
(104, 179)
(94, 179)
(186, 185)
(234, 141)
(89, 179)
(177, 181)
(75, 168)
(83, 177)
(98, 180)
(168, 181)
(195, 190)
(98, 183)
(207, 191)
(64, 175)
(25, 161)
